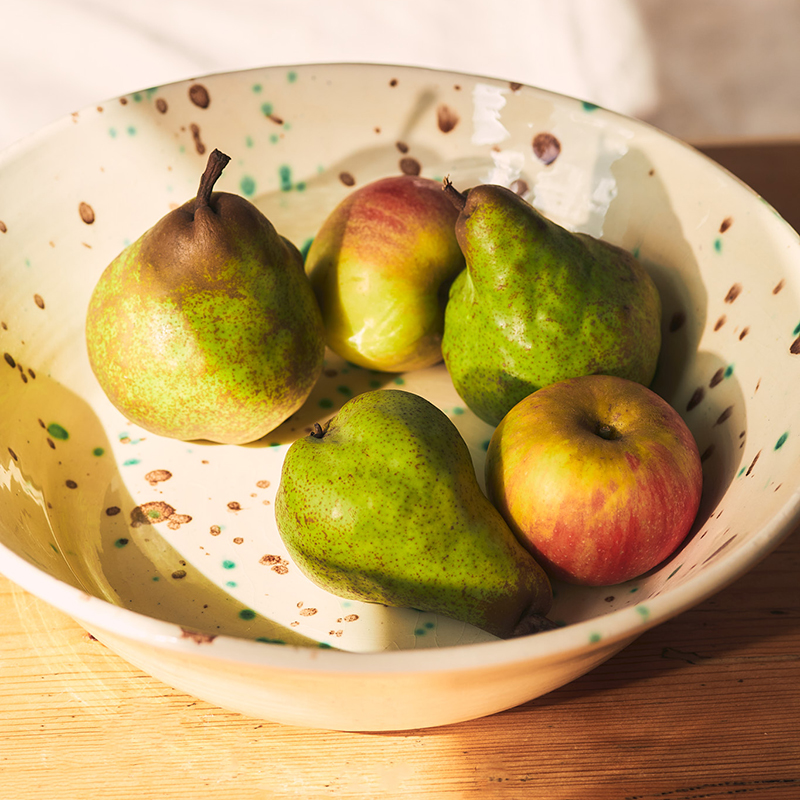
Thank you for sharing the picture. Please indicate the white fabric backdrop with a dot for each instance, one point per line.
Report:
(58, 56)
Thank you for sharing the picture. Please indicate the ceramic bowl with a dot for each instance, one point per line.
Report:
(167, 551)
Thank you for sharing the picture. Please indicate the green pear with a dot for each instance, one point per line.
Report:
(206, 327)
(538, 303)
(381, 265)
(382, 505)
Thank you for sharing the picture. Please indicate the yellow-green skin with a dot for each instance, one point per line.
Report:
(538, 303)
(206, 327)
(381, 266)
(385, 507)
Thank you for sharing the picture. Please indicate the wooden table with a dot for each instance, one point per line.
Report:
(704, 706)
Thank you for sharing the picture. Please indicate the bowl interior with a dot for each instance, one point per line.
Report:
(184, 531)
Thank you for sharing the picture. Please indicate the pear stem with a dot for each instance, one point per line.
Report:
(318, 432)
(217, 162)
(457, 199)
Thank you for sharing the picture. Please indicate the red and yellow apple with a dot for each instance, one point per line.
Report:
(598, 477)
(381, 266)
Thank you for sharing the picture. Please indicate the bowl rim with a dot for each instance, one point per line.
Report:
(618, 626)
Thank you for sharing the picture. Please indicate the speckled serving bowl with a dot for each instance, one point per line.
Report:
(167, 551)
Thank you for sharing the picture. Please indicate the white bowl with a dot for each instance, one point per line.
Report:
(201, 597)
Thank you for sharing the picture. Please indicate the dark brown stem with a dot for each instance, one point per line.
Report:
(457, 199)
(318, 432)
(217, 162)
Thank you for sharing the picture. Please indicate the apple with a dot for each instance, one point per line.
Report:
(381, 266)
(598, 477)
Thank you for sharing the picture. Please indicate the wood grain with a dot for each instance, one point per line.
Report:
(704, 706)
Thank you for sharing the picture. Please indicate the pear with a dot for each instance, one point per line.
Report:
(381, 265)
(383, 505)
(206, 327)
(538, 303)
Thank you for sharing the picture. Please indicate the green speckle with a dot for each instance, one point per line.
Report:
(594, 637)
(228, 564)
(267, 640)
(643, 611)
(741, 472)
(247, 613)
(285, 175)
(137, 97)
(796, 329)
(674, 571)
(718, 244)
(326, 402)
(374, 384)
(57, 431)
(305, 248)
(291, 76)
(636, 250)
(248, 186)
(345, 390)
(154, 513)
(458, 411)
(112, 132)
(400, 381)
(98, 451)
(430, 625)
(257, 87)
(287, 126)
(156, 578)
(782, 440)
(325, 646)
(266, 109)
(248, 141)
(485, 445)
(131, 130)
(587, 106)
(55, 549)
(130, 462)
(729, 370)
(301, 186)
(274, 444)
(231, 584)
(274, 138)
(634, 589)
(420, 632)
(120, 542)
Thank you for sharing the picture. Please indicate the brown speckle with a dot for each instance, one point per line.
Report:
(71, 484)
(281, 568)
(546, 147)
(270, 559)
(308, 612)
(157, 476)
(446, 118)
(651, 172)
(794, 347)
(726, 223)
(515, 87)
(753, 463)
(677, 321)
(198, 94)
(10, 360)
(401, 146)
(717, 378)
(706, 454)
(238, 540)
(744, 333)
(215, 530)
(410, 166)
(733, 292)
(696, 398)
(778, 286)
(347, 179)
(50, 443)
(725, 415)
(3, 228)
(176, 520)
(86, 212)
(350, 618)
(720, 322)
(393, 82)
(37, 298)
(112, 511)
(195, 636)
(178, 574)
(519, 187)
(263, 484)
(161, 105)
(13, 454)
(151, 513)
(198, 142)
(123, 101)
(234, 506)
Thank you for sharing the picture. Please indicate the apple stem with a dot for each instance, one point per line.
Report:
(608, 432)
(217, 162)
(457, 199)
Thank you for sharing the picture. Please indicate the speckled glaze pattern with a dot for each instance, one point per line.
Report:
(167, 551)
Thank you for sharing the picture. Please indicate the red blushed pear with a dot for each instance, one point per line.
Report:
(381, 266)
(598, 477)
